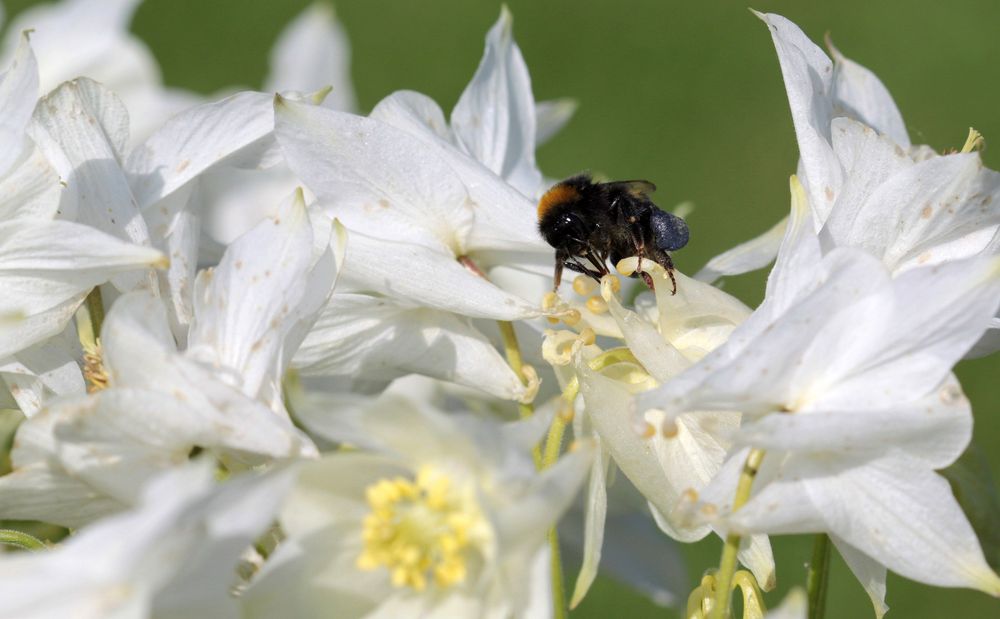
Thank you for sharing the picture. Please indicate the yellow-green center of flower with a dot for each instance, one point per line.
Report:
(423, 530)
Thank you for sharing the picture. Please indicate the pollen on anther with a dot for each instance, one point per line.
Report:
(584, 286)
(597, 305)
(571, 318)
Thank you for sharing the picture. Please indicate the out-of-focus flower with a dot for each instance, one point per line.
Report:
(174, 555)
(85, 456)
(843, 375)
(446, 518)
(313, 53)
(90, 38)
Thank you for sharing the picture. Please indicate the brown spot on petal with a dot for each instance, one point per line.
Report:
(183, 165)
(828, 192)
(926, 212)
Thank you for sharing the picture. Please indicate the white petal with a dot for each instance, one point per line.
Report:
(414, 273)
(904, 516)
(794, 606)
(526, 520)
(494, 119)
(313, 52)
(376, 178)
(504, 217)
(246, 305)
(798, 256)
(175, 228)
(808, 75)
(160, 559)
(371, 338)
(551, 117)
(81, 127)
(31, 189)
(935, 429)
(748, 256)
(593, 534)
(39, 488)
(858, 93)
(937, 315)
(608, 406)
(48, 267)
(18, 94)
(869, 572)
(235, 130)
(41, 371)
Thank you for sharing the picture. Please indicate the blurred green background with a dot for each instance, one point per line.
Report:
(686, 94)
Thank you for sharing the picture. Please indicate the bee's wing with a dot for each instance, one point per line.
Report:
(639, 189)
(670, 232)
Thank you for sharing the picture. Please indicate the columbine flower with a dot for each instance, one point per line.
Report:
(174, 555)
(416, 231)
(446, 518)
(663, 338)
(867, 186)
(843, 377)
(83, 457)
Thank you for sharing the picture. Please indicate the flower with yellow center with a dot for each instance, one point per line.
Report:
(432, 515)
(421, 529)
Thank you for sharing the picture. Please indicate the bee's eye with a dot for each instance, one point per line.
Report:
(669, 231)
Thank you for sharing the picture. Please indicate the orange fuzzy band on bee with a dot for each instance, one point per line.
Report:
(560, 194)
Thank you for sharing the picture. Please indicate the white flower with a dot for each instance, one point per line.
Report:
(666, 467)
(867, 187)
(84, 456)
(174, 555)
(447, 518)
(843, 377)
(412, 222)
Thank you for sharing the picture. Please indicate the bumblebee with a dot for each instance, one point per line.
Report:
(588, 223)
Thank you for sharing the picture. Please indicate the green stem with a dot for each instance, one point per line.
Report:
(727, 565)
(513, 352)
(95, 305)
(20, 539)
(558, 588)
(818, 575)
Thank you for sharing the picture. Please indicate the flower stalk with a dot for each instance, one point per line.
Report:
(727, 565)
(818, 575)
(20, 539)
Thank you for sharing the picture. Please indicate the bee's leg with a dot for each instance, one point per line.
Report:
(601, 266)
(668, 266)
(573, 265)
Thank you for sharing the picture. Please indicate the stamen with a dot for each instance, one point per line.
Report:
(584, 286)
(975, 141)
(421, 530)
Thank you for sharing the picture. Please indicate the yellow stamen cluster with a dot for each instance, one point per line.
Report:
(422, 530)
(94, 373)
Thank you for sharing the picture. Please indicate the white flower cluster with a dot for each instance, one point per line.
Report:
(269, 353)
